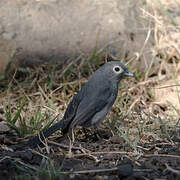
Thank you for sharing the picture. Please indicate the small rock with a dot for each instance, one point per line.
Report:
(26, 155)
(125, 170)
(4, 127)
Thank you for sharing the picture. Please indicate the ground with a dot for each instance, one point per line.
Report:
(109, 158)
(140, 137)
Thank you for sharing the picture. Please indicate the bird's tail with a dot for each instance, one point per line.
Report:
(37, 140)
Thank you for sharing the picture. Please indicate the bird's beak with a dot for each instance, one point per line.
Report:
(129, 74)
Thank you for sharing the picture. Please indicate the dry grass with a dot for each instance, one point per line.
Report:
(32, 97)
(166, 20)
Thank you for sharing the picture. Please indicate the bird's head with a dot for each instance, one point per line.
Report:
(115, 71)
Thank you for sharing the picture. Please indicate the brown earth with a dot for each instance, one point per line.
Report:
(110, 155)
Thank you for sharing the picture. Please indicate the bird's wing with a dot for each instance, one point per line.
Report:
(71, 112)
(88, 107)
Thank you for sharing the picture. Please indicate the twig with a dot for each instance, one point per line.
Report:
(38, 153)
(173, 85)
(133, 104)
(5, 157)
(67, 147)
(99, 153)
(102, 170)
(162, 155)
(26, 165)
(94, 157)
(172, 170)
(83, 80)
(91, 171)
(68, 65)
(123, 153)
(70, 147)
(20, 162)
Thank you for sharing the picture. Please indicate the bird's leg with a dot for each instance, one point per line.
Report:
(71, 141)
(72, 133)
(70, 147)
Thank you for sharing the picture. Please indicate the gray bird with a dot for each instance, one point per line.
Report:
(90, 106)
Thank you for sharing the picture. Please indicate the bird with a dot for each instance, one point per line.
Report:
(90, 106)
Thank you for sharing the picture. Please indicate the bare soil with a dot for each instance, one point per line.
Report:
(108, 157)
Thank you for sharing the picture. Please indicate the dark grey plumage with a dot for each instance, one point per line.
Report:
(90, 106)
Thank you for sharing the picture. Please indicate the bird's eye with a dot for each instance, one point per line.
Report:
(117, 69)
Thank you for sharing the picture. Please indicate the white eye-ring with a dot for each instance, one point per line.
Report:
(117, 69)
